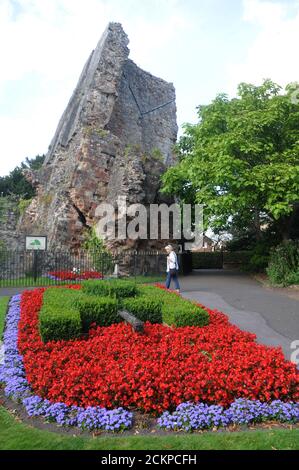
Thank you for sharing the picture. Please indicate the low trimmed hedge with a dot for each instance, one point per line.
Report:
(66, 313)
(114, 288)
(58, 319)
(144, 308)
(99, 310)
(176, 310)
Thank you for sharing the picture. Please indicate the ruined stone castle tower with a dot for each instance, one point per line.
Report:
(115, 138)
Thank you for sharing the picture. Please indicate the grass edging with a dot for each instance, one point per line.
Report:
(3, 309)
(15, 435)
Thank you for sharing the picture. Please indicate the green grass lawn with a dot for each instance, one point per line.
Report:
(3, 307)
(44, 281)
(15, 435)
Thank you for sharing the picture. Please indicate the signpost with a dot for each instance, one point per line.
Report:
(36, 243)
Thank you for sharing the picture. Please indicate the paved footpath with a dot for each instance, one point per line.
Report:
(271, 315)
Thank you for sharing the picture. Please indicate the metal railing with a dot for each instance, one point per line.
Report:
(43, 268)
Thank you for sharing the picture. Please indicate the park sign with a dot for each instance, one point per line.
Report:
(36, 243)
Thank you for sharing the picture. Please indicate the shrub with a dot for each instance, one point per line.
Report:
(114, 288)
(284, 263)
(144, 308)
(292, 278)
(58, 319)
(176, 310)
(99, 310)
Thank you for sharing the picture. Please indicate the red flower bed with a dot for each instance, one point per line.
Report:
(73, 276)
(156, 371)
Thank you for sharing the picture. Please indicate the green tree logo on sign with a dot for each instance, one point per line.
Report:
(35, 243)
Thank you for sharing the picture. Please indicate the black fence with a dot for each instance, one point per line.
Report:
(43, 268)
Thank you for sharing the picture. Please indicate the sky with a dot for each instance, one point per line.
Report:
(204, 47)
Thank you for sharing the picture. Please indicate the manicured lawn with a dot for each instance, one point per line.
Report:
(15, 435)
(18, 436)
(30, 282)
(3, 306)
(44, 281)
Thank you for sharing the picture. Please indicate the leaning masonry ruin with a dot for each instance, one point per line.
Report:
(115, 138)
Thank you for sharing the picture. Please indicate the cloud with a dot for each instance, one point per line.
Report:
(46, 42)
(273, 52)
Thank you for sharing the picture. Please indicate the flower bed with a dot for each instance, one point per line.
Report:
(74, 275)
(193, 417)
(154, 372)
(13, 375)
(69, 383)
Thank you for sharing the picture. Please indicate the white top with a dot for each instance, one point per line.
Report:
(172, 261)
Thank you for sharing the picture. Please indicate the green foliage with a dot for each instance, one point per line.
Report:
(58, 319)
(67, 313)
(17, 435)
(241, 161)
(258, 258)
(101, 258)
(156, 154)
(99, 310)
(113, 288)
(16, 184)
(187, 315)
(144, 307)
(176, 310)
(3, 309)
(23, 204)
(283, 265)
(292, 278)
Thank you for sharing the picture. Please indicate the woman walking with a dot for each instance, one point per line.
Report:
(172, 268)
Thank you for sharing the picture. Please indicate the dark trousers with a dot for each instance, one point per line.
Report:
(175, 279)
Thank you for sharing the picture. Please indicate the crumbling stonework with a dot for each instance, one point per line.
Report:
(115, 138)
(9, 215)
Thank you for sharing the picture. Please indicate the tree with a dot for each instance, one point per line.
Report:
(16, 184)
(241, 161)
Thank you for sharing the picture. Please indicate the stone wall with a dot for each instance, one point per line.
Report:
(115, 138)
(9, 215)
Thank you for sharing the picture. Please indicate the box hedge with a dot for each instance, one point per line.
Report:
(144, 308)
(113, 288)
(66, 313)
(58, 319)
(176, 310)
(99, 310)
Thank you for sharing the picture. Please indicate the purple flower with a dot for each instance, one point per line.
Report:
(191, 417)
(12, 374)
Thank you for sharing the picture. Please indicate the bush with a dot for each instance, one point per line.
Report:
(284, 263)
(176, 310)
(58, 319)
(114, 288)
(188, 315)
(292, 278)
(99, 310)
(144, 308)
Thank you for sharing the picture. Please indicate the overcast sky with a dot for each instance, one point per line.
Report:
(203, 46)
